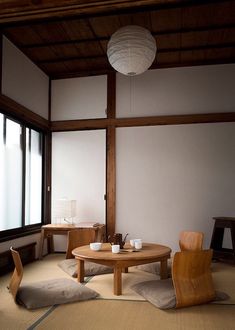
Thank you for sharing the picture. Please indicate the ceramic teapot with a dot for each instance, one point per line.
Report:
(117, 239)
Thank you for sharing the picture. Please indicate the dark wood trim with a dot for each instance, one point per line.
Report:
(1, 58)
(13, 108)
(111, 157)
(181, 31)
(111, 95)
(65, 9)
(159, 50)
(23, 175)
(47, 179)
(81, 73)
(84, 124)
(71, 125)
(111, 181)
(176, 119)
(49, 101)
(47, 165)
(71, 58)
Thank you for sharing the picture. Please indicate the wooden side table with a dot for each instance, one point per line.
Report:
(217, 238)
(48, 231)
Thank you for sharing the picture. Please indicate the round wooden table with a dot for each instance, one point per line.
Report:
(121, 261)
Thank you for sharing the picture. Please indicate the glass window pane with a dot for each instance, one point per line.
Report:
(2, 177)
(33, 179)
(11, 171)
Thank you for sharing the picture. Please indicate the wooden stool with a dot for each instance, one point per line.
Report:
(218, 235)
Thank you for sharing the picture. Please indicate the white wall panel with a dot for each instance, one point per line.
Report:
(79, 172)
(175, 91)
(23, 81)
(173, 178)
(79, 98)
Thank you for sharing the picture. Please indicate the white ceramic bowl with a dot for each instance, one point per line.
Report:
(96, 246)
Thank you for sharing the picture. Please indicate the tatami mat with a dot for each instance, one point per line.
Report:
(115, 312)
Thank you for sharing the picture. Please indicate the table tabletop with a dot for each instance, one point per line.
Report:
(149, 251)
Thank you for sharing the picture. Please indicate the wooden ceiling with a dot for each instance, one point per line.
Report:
(69, 38)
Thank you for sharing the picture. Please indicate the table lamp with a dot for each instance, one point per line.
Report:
(65, 210)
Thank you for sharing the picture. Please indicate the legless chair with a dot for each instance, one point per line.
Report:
(191, 282)
(78, 238)
(191, 240)
(45, 293)
(17, 274)
(192, 279)
(188, 241)
(70, 265)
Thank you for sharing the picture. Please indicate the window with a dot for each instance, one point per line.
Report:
(21, 168)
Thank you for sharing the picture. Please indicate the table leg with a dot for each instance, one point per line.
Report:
(41, 244)
(117, 281)
(50, 243)
(163, 271)
(125, 270)
(81, 272)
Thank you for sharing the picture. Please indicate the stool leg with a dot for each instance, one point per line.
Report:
(217, 238)
(233, 241)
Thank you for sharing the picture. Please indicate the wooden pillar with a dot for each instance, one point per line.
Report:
(111, 156)
(1, 52)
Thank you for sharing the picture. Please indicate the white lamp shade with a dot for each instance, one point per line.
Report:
(64, 208)
(131, 50)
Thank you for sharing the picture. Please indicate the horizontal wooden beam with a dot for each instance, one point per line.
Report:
(84, 124)
(18, 12)
(13, 108)
(216, 28)
(71, 125)
(159, 50)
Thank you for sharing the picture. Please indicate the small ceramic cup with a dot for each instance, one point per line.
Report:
(132, 242)
(138, 244)
(96, 246)
(115, 248)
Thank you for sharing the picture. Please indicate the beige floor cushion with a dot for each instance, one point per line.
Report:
(160, 293)
(53, 292)
(70, 267)
(154, 268)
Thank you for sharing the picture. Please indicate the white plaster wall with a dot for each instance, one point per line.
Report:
(79, 172)
(23, 81)
(79, 98)
(189, 90)
(173, 178)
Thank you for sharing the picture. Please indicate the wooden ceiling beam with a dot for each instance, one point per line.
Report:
(85, 124)
(160, 50)
(36, 11)
(155, 34)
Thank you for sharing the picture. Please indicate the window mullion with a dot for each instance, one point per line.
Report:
(23, 146)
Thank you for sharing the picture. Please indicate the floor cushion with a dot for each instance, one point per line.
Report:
(70, 266)
(154, 268)
(53, 292)
(160, 293)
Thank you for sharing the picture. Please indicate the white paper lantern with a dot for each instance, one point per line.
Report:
(131, 50)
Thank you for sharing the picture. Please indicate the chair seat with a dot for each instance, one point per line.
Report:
(53, 292)
(160, 293)
(70, 266)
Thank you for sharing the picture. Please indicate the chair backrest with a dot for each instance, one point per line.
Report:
(78, 238)
(191, 275)
(191, 240)
(17, 274)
